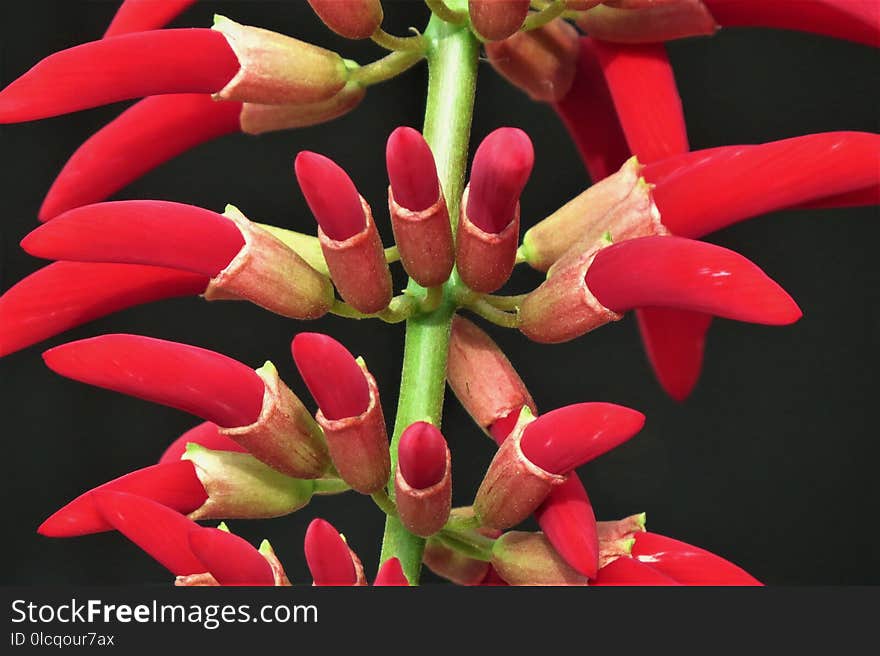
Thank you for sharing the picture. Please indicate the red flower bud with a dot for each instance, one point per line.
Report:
(494, 20)
(255, 408)
(423, 481)
(160, 531)
(652, 23)
(349, 237)
(629, 571)
(173, 484)
(206, 434)
(355, 428)
(419, 216)
(686, 563)
(329, 558)
(391, 574)
(64, 295)
(566, 517)
(231, 560)
(142, 15)
(353, 19)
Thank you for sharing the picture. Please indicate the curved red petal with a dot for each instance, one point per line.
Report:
(629, 571)
(141, 15)
(567, 519)
(206, 434)
(686, 563)
(333, 376)
(230, 559)
(328, 556)
(195, 380)
(330, 195)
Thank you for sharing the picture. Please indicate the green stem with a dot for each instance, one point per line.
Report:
(541, 18)
(386, 505)
(386, 68)
(491, 313)
(452, 74)
(396, 43)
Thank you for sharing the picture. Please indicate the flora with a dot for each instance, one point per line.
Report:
(626, 243)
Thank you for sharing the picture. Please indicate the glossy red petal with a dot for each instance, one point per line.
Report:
(686, 563)
(330, 195)
(173, 484)
(501, 167)
(422, 455)
(328, 556)
(144, 136)
(195, 380)
(704, 191)
(687, 275)
(152, 232)
(854, 20)
(206, 434)
(411, 170)
(230, 559)
(642, 86)
(122, 67)
(589, 115)
(674, 341)
(629, 571)
(569, 437)
(391, 574)
(333, 376)
(567, 519)
(141, 15)
(160, 531)
(64, 295)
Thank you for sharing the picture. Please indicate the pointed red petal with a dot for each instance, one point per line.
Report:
(146, 135)
(173, 484)
(687, 275)
(422, 455)
(333, 376)
(501, 167)
(645, 95)
(206, 434)
(195, 380)
(854, 20)
(161, 532)
(142, 15)
(589, 115)
(674, 341)
(330, 195)
(68, 294)
(707, 190)
(328, 556)
(411, 170)
(230, 559)
(122, 67)
(629, 571)
(567, 519)
(569, 437)
(391, 574)
(686, 563)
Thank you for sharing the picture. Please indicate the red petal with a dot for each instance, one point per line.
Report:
(567, 519)
(230, 559)
(687, 275)
(328, 556)
(411, 170)
(122, 67)
(330, 195)
(172, 484)
(854, 20)
(195, 380)
(590, 117)
(151, 232)
(629, 571)
(674, 341)
(391, 574)
(142, 15)
(144, 136)
(422, 455)
(205, 434)
(645, 95)
(686, 563)
(501, 167)
(159, 531)
(502, 427)
(68, 294)
(333, 376)
(569, 437)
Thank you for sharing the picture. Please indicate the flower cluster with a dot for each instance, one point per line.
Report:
(629, 242)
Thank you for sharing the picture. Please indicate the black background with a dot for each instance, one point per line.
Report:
(770, 463)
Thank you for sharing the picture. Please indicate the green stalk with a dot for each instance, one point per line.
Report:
(452, 74)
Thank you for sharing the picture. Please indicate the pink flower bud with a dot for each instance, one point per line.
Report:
(329, 558)
(353, 19)
(423, 481)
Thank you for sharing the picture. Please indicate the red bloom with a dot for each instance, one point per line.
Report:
(141, 15)
(334, 378)
(206, 434)
(231, 560)
(686, 563)
(391, 574)
(328, 556)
